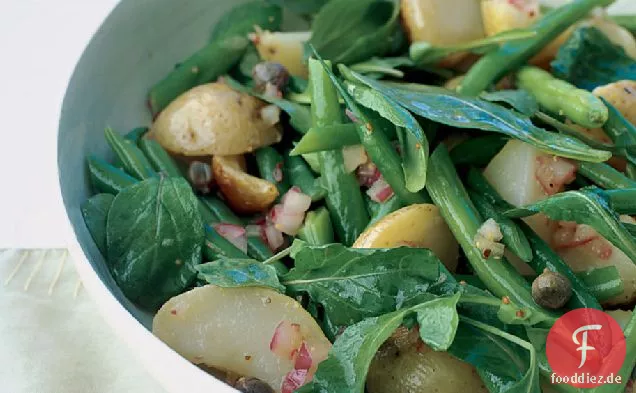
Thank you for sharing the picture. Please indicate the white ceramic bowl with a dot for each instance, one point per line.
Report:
(135, 47)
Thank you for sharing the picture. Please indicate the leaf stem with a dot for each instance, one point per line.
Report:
(277, 257)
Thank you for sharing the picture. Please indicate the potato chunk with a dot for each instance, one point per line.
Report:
(622, 95)
(243, 331)
(415, 226)
(213, 119)
(283, 48)
(244, 193)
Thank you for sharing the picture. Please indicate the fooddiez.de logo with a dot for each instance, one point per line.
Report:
(585, 348)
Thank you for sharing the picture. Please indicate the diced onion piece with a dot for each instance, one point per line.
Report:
(295, 202)
(368, 174)
(553, 173)
(354, 156)
(487, 240)
(504, 15)
(627, 219)
(380, 191)
(289, 223)
(278, 172)
(270, 115)
(234, 234)
(286, 340)
(274, 237)
(293, 380)
(253, 230)
(490, 230)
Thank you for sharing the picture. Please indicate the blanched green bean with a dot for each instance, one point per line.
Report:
(605, 176)
(623, 200)
(270, 166)
(131, 157)
(317, 229)
(136, 134)
(478, 151)
(105, 178)
(381, 210)
(159, 158)
(301, 176)
(558, 96)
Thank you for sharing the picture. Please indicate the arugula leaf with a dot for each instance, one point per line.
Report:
(353, 284)
(519, 100)
(414, 160)
(446, 107)
(589, 59)
(383, 66)
(422, 52)
(227, 272)
(299, 115)
(240, 20)
(154, 239)
(590, 206)
(95, 212)
(351, 31)
(504, 362)
(346, 368)
(438, 322)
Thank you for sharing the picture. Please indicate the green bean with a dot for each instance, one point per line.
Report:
(464, 220)
(558, 96)
(301, 176)
(513, 237)
(159, 158)
(202, 67)
(313, 160)
(343, 195)
(379, 149)
(618, 128)
(623, 201)
(626, 21)
(546, 258)
(478, 151)
(603, 283)
(256, 247)
(330, 137)
(317, 229)
(270, 166)
(105, 178)
(216, 245)
(131, 157)
(136, 134)
(605, 176)
(510, 56)
(381, 210)
(471, 280)
(630, 171)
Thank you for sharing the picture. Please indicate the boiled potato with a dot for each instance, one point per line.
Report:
(584, 258)
(415, 226)
(283, 48)
(244, 193)
(504, 15)
(249, 331)
(438, 22)
(622, 95)
(213, 119)
(403, 365)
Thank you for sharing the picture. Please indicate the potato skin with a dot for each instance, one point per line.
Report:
(213, 119)
(244, 193)
(406, 365)
(284, 48)
(622, 95)
(418, 225)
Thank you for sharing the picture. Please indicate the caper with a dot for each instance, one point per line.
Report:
(551, 289)
(252, 385)
(200, 176)
(270, 75)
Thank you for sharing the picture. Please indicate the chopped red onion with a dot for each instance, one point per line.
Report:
(234, 234)
(380, 191)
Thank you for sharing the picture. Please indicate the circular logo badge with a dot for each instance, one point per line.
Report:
(585, 349)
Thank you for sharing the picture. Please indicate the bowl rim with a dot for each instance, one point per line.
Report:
(171, 370)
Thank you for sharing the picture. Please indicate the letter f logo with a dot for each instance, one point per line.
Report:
(583, 346)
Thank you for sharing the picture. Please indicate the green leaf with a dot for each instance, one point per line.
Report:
(504, 362)
(438, 322)
(351, 31)
(383, 66)
(330, 137)
(589, 59)
(588, 206)
(301, 7)
(230, 273)
(346, 368)
(353, 284)
(519, 100)
(240, 20)
(422, 52)
(446, 107)
(95, 212)
(154, 239)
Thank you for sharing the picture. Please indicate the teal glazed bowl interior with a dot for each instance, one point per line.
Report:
(135, 47)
